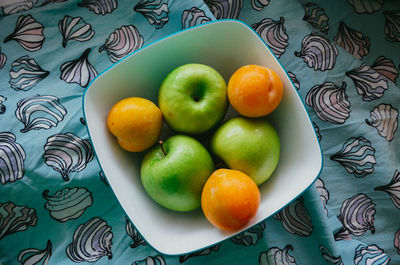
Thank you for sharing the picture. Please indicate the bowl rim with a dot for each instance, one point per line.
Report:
(127, 218)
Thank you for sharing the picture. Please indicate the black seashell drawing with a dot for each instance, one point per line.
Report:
(366, 6)
(273, 33)
(67, 153)
(155, 11)
(392, 26)
(2, 106)
(329, 257)
(352, 41)
(78, 71)
(15, 218)
(222, 9)
(396, 241)
(67, 204)
(33, 256)
(12, 157)
(156, 260)
(39, 112)
(250, 236)
(203, 252)
(393, 189)
(258, 5)
(329, 102)
(371, 255)
(369, 83)
(358, 214)
(193, 17)
(28, 33)
(74, 28)
(316, 128)
(386, 67)
(318, 52)
(384, 118)
(316, 16)
(100, 7)
(121, 42)
(26, 73)
(91, 241)
(277, 256)
(357, 156)
(12, 7)
(295, 218)
(294, 79)
(323, 193)
(134, 234)
(3, 59)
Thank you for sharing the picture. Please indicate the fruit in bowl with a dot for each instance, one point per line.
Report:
(135, 122)
(141, 75)
(230, 199)
(193, 98)
(248, 145)
(255, 90)
(174, 172)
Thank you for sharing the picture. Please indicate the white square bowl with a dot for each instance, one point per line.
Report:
(225, 45)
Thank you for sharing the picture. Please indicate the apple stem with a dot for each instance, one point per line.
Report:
(161, 142)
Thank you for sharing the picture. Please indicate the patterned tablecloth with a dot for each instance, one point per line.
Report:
(55, 204)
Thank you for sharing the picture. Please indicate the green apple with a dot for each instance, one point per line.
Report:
(174, 172)
(248, 145)
(193, 98)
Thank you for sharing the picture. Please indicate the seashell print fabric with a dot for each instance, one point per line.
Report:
(352, 41)
(28, 33)
(99, 7)
(193, 17)
(40, 112)
(36, 256)
(318, 52)
(274, 34)
(370, 254)
(316, 16)
(358, 214)
(121, 42)
(134, 234)
(56, 206)
(26, 73)
(329, 102)
(369, 83)
(91, 241)
(203, 252)
(15, 218)
(155, 11)
(79, 71)
(295, 218)
(74, 29)
(393, 189)
(18, 6)
(222, 9)
(3, 59)
(384, 118)
(12, 158)
(277, 256)
(357, 156)
(329, 257)
(67, 153)
(67, 204)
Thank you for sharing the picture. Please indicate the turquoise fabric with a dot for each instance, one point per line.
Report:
(343, 58)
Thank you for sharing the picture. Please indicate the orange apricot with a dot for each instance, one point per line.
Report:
(255, 91)
(135, 122)
(230, 199)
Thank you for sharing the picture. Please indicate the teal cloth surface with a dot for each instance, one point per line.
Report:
(343, 58)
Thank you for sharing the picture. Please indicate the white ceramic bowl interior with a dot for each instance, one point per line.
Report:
(225, 45)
